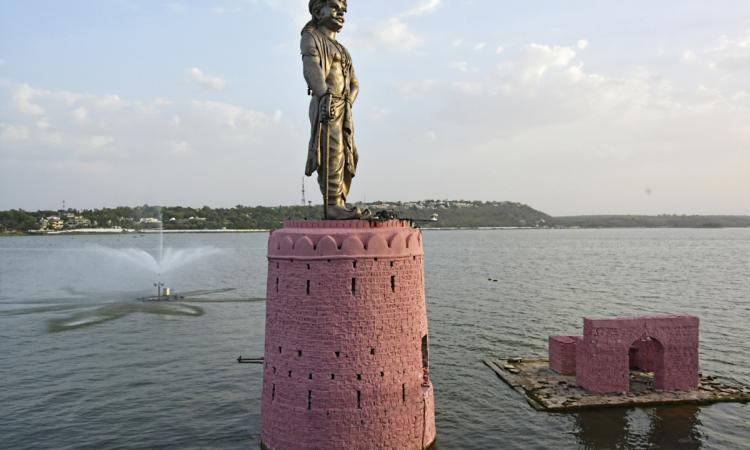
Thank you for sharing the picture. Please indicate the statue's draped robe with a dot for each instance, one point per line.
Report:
(338, 134)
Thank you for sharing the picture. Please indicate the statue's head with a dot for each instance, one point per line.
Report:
(328, 13)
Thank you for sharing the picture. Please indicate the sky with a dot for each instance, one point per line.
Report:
(575, 107)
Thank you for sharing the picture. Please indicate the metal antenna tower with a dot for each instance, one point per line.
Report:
(304, 199)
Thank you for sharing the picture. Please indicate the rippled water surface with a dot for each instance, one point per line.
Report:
(82, 365)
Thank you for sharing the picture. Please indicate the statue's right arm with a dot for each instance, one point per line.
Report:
(314, 75)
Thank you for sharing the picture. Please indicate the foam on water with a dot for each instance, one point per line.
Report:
(115, 311)
(170, 260)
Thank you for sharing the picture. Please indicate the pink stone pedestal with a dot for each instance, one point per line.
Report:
(562, 354)
(346, 338)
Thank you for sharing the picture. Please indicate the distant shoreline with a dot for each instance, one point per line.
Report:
(430, 214)
(254, 231)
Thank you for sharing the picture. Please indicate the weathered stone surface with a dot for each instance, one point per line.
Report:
(345, 322)
(562, 354)
(547, 390)
(602, 358)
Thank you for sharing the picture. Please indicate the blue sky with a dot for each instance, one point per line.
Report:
(576, 107)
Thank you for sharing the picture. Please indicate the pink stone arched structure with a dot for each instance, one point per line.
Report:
(346, 338)
(601, 359)
(603, 356)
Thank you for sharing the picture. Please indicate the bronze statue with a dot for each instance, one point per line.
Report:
(333, 86)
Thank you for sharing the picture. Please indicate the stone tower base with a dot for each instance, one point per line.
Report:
(346, 347)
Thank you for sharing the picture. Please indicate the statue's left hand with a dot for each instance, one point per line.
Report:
(326, 111)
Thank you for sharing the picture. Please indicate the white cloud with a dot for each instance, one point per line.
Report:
(394, 34)
(80, 115)
(463, 66)
(377, 113)
(582, 44)
(296, 9)
(422, 7)
(499, 50)
(544, 120)
(23, 98)
(416, 88)
(73, 140)
(206, 81)
(13, 133)
(689, 56)
(99, 142)
(538, 59)
(480, 46)
(729, 53)
(732, 53)
(177, 147)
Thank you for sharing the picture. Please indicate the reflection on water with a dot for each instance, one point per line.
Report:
(666, 427)
(113, 310)
(118, 310)
(676, 427)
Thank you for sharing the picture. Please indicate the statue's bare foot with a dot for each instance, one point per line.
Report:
(342, 213)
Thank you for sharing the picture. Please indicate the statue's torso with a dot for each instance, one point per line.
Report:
(335, 60)
(336, 77)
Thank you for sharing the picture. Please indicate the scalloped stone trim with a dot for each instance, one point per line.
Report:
(333, 239)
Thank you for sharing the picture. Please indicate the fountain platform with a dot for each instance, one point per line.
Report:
(547, 390)
(162, 298)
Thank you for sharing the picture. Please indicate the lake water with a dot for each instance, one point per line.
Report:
(82, 365)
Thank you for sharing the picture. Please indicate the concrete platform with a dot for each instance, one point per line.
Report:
(546, 390)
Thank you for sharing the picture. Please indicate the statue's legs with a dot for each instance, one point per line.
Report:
(332, 135)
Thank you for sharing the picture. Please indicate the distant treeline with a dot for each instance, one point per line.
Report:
(662, 221)
(173, 217)
(449, 214)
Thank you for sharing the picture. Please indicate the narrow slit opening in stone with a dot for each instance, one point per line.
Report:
(354, 264)
(393, 283)
(391, 263)
(309, 399)
(403, 393)
(308, 267)
(333, 376)
(299, 353)
(372, 351)
(273, 392)
(279, 349)
(359, 376)
(359, 399)
(277, 285)
(290, 374)
(308, 287)
(354, 286)
(338, 354)
(309, 377)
